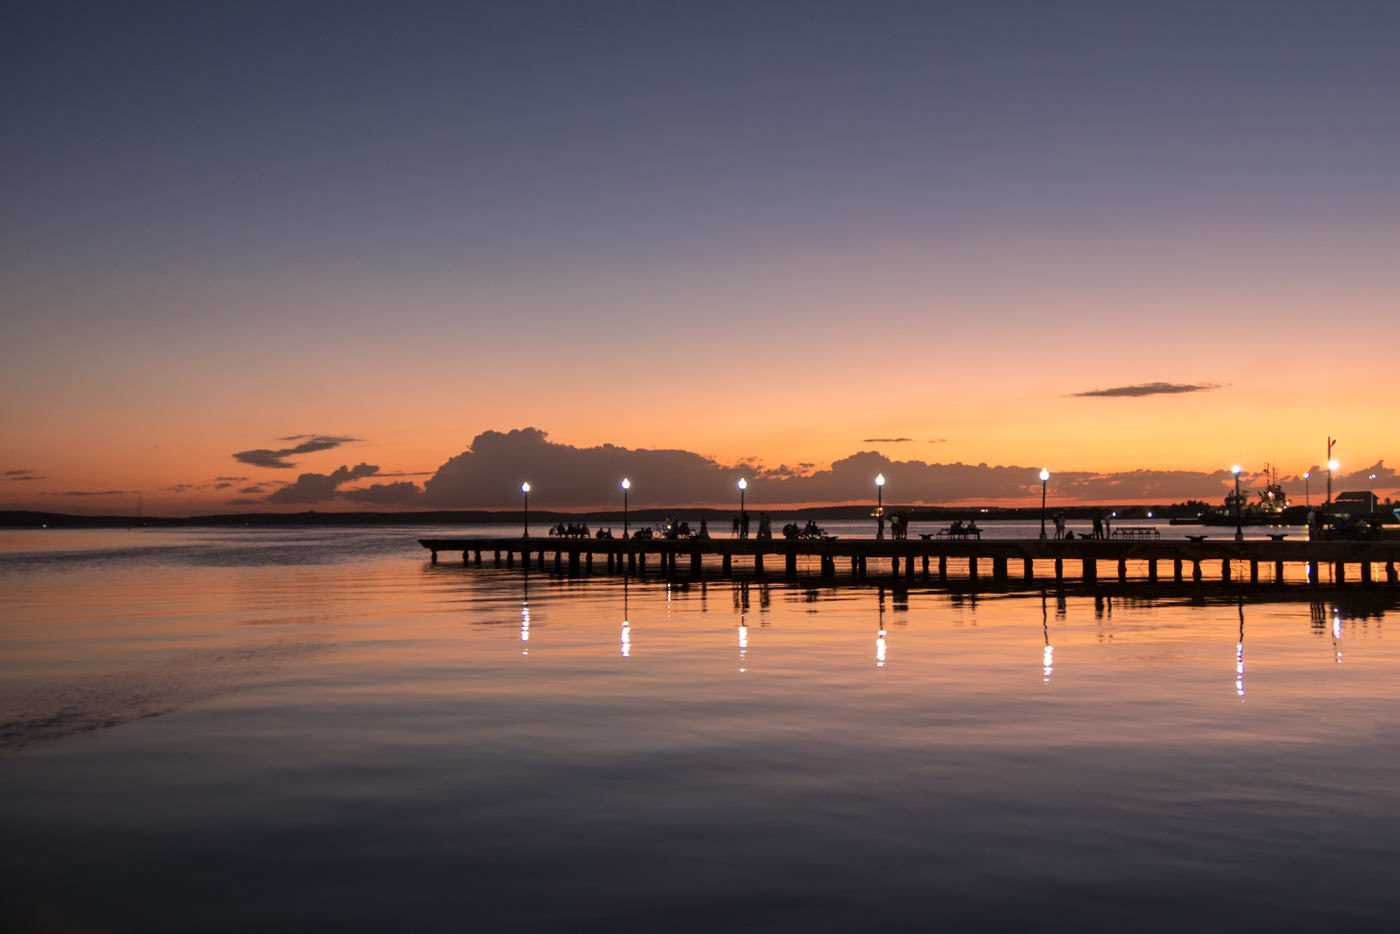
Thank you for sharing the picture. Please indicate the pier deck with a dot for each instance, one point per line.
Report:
(1366, 563)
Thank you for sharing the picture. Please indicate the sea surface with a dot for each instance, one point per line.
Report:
(312, 728)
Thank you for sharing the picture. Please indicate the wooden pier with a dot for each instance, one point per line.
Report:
(994, 562)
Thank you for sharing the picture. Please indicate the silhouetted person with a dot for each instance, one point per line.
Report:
(1098, 525)
(736, 525)
(704, 529)
(765, 528)
(744, 524)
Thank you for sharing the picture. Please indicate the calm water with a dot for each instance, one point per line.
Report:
(314, 729)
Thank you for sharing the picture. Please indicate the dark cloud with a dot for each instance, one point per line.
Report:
(230, 479)
(252, 489)
(937, 440)
(88, 493)
(263, 457)
(402, 493)
(1147, 389)
(244, 501)
(316, 487)
(181, 487)
(222, 486)
(884, 440)
(19, 475)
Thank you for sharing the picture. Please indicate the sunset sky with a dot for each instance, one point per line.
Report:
(244, 244)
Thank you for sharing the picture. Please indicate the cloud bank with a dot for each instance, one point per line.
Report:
(489, 473)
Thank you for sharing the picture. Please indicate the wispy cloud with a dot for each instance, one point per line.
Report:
(87, 493)
(18, 475)
(884, 440)
(277, 459)
(1147, 389)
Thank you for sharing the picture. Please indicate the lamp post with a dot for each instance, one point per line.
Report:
(743, 485)
(1331, 466)
(525, 491)
(880, 505)
(1239, 528)
(626, 485)
(1044, 478)
(1307, 490)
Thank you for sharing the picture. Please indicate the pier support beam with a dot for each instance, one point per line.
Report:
(435, 557)
(1225, 570)
(790, 567)
(477, 557)
(510, 559)
(632, 562)
(1339, 574)
(909, 566)
(1196, 570)
(758, 565)
(925, 567)
(1027, 570)
(1253, 570)
(574, 562)
(1314, 577)
(695, 564)
(497, 555)
(1152, 570)
(1366, 573)
(1090, 570)
(1176, 570)
(999, 569)
(1278, 572)
(726, 566)
(1122, 570)
(1059, 570)
(1390, 576)
(972, 568)
(942, 568)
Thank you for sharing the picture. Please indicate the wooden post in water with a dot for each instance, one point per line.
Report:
(1339, 574)
(1122, 570)
(1152, 570)
(1390, 577)
(1176, 570)
(925, 567)
(790, 566)
(478, 557)
(726, 565)
(972, 568)
(758, 565)
(1059, 570)
(695, 564)
(573, 563)
(497, 555)
(510, 559)
(1196, 570)
(999, 569)
(1225, 570)
(1254, 570)
(909, 566)
(1090, 570)
(942, 568)
(1313, 575)
(1366, 573)
(1027, 570)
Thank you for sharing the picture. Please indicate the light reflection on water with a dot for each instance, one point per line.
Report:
(357, 740)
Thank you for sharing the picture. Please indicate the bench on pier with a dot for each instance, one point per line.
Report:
(954, 532)
(1136, 532)
(1196, 538)
(1278, 536)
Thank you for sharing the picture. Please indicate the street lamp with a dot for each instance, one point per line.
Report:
(525, 491)
(1044, 478)
(1307, 490)
(1239, 529)
(1331, 466)
(743, 485)
(880, 505)
(626, 485)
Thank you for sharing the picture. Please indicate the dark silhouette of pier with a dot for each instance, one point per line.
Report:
(993, 562)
